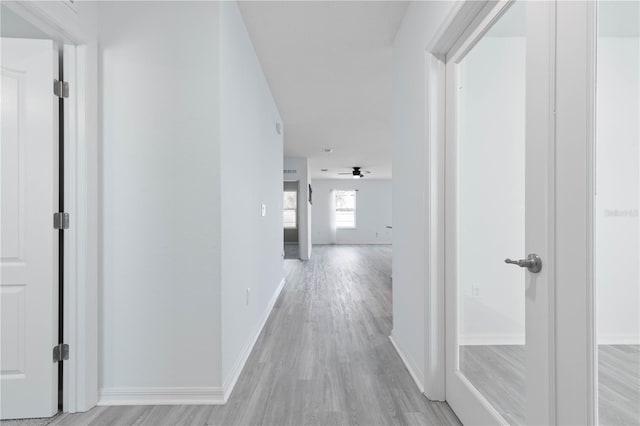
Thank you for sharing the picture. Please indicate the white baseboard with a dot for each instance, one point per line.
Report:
(231, 380)
(491, 339)
(518, 339)
(619, 339)
(415, 372)
(188, 395)
(361, 243)
(162, 396)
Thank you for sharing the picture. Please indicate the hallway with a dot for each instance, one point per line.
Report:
(323, 358)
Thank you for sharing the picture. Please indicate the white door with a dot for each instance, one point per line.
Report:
(29, 249)
(499, 200)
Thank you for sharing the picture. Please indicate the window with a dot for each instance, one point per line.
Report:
(290, 207)
(345, 209)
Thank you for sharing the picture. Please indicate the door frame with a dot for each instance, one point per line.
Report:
(576, 349)
(539, 301)
(60, 22)
(457, 24)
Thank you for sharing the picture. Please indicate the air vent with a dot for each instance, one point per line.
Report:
(288, 172)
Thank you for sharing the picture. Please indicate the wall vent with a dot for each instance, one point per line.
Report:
(288, 172)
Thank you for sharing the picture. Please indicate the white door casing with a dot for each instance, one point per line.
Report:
(468, 403)
(29, 250)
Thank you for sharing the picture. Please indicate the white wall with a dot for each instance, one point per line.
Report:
(185, 108)
(373, 211)
(410, 216)
(160, 298)
(251, 244)
(617, 191)
(299, 168)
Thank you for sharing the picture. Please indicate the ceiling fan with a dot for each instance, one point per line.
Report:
(356, 173)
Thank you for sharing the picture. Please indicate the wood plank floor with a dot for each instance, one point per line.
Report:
(323, 358)
(292, 251)
(498, 373)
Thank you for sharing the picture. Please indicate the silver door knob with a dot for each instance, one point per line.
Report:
(533, 263)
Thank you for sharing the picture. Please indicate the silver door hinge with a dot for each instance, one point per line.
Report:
(61, 220)
(61, 352)
(61, 89)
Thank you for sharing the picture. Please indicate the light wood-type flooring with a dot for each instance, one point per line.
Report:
(323, 358)
(498, 373)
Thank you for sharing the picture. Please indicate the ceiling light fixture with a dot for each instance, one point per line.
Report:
(328, 150)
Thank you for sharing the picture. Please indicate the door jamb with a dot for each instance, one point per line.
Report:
(457, 24)
(81, 188)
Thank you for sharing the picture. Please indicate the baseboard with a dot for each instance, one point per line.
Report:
(188, 395)
(373, 243)
(518, 339)
(416, 373)
(491, 339)
(162, 396)
(231, 380)
(619, 339)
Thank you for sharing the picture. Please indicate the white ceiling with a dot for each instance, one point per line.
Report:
(328, 64)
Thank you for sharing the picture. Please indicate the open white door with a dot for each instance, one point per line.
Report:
(499, 199)
(29, 249)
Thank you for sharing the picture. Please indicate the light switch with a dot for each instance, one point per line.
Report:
(264, 210)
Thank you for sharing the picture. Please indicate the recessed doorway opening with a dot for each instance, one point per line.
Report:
(290, 220)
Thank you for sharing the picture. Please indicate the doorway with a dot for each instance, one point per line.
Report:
(491, 213)
(542, 237)
(71, 134)
(291, 219)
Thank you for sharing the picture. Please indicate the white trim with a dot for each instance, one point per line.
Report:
(462, 19)
(575, 353)
(72, 264)
(434, 303)
(617, 339)
(412, 367)
(162, 396)
(491, 339)
(232, 379)
(454, 27)
(592, 324)
(359, 243)
(51, 17)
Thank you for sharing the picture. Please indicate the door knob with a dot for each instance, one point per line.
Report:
(533, 263)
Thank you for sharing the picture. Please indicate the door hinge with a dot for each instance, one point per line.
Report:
(61, 352)
(61, 89)
(61, 220)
